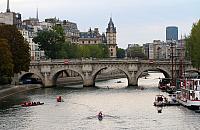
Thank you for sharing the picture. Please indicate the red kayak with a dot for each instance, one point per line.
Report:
(28, 104)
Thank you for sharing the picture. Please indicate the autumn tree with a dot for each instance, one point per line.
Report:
(18, 47)
(6, 62)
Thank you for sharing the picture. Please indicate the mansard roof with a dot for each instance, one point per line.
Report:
(90, 34)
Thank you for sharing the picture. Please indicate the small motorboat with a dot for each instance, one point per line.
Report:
(142, 88)
(119, 81)
(160, 100)
(28, 104)
(159, 109)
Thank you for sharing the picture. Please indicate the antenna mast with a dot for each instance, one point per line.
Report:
(181, 60)
(8, 7)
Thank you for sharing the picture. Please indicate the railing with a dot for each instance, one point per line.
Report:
(94, 60)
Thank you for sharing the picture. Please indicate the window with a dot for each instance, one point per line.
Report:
(83, 42)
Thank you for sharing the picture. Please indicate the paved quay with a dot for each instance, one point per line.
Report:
(8, 90)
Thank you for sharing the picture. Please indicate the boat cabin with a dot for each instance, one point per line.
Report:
(190, 89)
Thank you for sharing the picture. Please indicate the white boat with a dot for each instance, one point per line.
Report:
(190, 93)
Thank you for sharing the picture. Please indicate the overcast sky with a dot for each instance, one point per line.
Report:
(137, 21)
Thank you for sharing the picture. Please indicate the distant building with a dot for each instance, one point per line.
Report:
(29, 32)
(90, 37)
(111, 39)
(30, 28)
(157, 50)
(71, 31)
(10, 18)
(31, 21)
(171, 33)
(151, 51)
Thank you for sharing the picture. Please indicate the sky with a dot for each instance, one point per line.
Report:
(137, 21)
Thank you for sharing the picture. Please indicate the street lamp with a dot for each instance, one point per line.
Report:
(172, 60)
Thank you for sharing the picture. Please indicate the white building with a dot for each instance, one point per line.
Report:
(29, 32)
(10, 18)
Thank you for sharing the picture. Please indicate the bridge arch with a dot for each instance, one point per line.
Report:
(193, 70)
(165, 72)
(54, 75)
(96, 72)
(29, 74)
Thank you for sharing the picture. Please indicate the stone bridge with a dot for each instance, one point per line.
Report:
(49, 70)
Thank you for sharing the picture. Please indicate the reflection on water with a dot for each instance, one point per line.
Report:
(124, 108)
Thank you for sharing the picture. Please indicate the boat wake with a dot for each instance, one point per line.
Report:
(104, 116)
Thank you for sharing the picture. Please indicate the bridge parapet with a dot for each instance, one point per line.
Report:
(88, 69)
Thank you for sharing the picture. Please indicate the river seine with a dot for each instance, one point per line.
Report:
(123, 109)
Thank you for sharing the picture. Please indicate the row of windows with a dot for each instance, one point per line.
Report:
(83, 42)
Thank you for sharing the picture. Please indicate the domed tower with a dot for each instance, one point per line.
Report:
(111, 39)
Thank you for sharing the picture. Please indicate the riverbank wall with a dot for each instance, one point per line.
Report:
(11, 90)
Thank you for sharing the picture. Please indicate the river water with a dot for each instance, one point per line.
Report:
(123, 109)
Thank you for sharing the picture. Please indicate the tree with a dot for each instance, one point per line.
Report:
(18, 47)
(55, 47)
(120, 53)
(52, 42)
(135, 52)
(193, 45)
(6, 66)
(95, 51)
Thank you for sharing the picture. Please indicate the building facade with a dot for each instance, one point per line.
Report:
(111, 39)
(71, 31)
(171, 33)
(29, 31)
(91, 37)
(10, 18)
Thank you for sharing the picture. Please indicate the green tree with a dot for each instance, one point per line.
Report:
(52, 42)
(95, 51)
(120, 53)
(135, 52)
(6, 66)
(18, 47)
(67, 50)
(55, 47)
(193, 45)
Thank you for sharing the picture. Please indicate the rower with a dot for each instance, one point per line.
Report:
(100, 114)
(58, 99)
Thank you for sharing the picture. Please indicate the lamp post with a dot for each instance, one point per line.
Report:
(172, 60)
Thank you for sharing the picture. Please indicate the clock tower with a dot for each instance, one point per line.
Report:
(111, 39)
